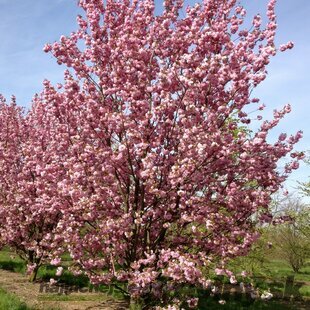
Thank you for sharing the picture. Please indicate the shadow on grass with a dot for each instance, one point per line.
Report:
(292, 288)
(13, 266)
(66, 278)
(46, 272)
(239, 302)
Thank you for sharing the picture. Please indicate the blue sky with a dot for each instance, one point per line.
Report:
(26, 25)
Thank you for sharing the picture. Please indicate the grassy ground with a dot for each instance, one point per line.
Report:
(11, 262)
(273, 274)
(10, 302)
(243, 304)
(278, 276)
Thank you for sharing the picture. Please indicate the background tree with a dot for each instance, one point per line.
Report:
(29, 208)
(305, 186)
(292, 237)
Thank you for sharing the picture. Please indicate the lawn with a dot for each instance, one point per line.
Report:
(11, 302)
(288, 287)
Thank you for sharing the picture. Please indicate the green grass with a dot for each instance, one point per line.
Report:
(280, 278)
(276, 275)
(272, 274)
(11, 262)
(47, 272)
(240, 304)
(245, 305)
(11, 302)
(305, 290)
(73, 297)
(278, 269)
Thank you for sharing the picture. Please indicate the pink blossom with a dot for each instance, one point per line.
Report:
(219, 271)
(244, 273)
(30, 268)
(53, 281)
(286, 46)
(55, 261)
(59, 271)
(266, 295)
(192, 303)
(233, 280)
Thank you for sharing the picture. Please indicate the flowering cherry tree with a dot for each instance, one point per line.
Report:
(160, 183)
(29, 206)
(11, 136)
